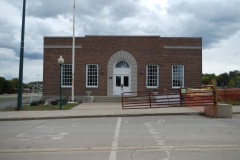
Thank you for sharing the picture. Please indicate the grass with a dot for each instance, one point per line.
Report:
(43, 108)
(229, 101)
(233, 102)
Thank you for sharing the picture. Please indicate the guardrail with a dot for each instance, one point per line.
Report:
(183, 97)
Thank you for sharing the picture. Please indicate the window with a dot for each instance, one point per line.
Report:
(66, 75)
(177, 76)
(152, 76)
(92, 75)
(118, 81)
(122, 64)
(125, 81)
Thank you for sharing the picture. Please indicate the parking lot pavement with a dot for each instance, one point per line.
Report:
(122, 138)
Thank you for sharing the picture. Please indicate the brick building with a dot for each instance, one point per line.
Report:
(110, 65)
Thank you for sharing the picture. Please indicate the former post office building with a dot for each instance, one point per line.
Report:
(110, 65)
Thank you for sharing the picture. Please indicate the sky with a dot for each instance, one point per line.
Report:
(216, 21)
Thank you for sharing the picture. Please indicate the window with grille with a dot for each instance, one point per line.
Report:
(122, 64)
(177, 76)
(66, 75)
(92, 75)
(152, 76)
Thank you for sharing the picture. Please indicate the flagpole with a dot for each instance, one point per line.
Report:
(73, 51)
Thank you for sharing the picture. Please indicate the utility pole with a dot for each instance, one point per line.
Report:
(19, 100)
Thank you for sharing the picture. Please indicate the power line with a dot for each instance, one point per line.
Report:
(228, 62)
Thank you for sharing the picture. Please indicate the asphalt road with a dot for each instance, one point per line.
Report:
(11, 100)
(122, 138)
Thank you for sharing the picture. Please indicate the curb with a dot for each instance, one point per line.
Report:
(99, 116)
(102, 116)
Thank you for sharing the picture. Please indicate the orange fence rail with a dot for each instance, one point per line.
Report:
(229, 95)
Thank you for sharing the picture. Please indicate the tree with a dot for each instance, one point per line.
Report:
(207, 78)
(2, 82)
(14, 83)
(234, 74)
(6, 86)
(9, 89)
(234, 78)
(223, 79)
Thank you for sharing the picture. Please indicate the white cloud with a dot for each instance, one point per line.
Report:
(33, 70)
(216, 21)
(8, 63)
(224, 57)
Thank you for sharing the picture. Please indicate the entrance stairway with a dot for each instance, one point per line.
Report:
(106, 99)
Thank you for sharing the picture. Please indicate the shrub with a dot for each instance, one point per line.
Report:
(41, 101)
(54, 102)
(34, 103)
(65, 100)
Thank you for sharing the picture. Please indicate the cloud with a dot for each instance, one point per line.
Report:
(223, 58)
(49, 8)
(9, 28)
(216, 21)
(212, 20)
(8, 62)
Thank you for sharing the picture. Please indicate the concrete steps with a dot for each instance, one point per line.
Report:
(107, 99)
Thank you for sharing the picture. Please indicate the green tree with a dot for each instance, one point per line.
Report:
(2, 82)
(6, 86)
(14, 82)
(207, 78)
(9, 86)
(232, 83)
(9, 89)
(234, 74)
(223, 79)
(234, 77)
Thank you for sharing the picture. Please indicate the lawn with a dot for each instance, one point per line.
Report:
(233, 102)
(43, 108)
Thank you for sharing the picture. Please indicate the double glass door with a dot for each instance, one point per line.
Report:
(121, 83)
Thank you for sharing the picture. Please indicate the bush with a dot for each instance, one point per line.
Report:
(34, 103)
(65, 100)
(54, 102)
(41, 101)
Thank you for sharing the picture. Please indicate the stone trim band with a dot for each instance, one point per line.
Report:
(182, 47)
(60, 46)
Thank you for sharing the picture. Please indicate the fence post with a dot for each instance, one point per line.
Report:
(215, 109)
(122, 100)
(149, 96)
(180, 93)
(225, 94)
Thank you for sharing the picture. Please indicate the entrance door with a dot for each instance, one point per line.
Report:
(121, 84)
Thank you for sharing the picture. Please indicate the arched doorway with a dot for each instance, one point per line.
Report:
(121, 78)
(122, 67)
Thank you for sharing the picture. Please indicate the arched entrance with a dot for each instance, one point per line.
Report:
(121, 78)
(122, 74)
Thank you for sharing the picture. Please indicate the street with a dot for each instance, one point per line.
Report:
(122, 138)
(11, 99)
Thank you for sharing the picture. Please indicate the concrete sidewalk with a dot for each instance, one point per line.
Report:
(86, 110)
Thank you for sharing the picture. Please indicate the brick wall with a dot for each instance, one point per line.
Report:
(99, 49)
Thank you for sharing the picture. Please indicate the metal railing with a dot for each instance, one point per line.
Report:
(183, 97)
